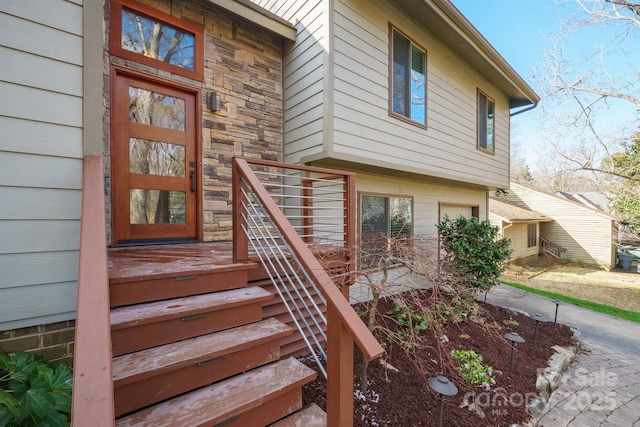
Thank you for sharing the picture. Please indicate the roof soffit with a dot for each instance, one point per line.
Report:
(259, 16)
(446, 23)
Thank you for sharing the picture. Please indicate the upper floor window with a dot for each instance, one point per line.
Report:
(408, 79)
(486, 122)
(143, 34)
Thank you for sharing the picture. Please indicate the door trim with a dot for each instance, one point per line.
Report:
(116, 71)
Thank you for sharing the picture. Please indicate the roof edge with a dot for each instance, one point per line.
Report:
(259, 16)
(485, 49)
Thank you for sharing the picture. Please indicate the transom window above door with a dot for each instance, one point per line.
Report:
(143, 34)
(408, 98)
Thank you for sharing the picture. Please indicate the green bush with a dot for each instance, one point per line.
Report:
(472, 369)
(33, 392)
(474, 251)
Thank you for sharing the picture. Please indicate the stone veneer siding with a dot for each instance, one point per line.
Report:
(54, 341)
(243, 64)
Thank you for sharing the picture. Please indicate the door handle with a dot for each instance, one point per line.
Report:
(192, 177)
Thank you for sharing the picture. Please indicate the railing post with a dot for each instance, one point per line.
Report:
(240, 240)
(349, 232)
(339, 372)
(92, 383)
(307, 202)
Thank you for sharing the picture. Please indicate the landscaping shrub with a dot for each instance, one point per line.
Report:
(33, 393)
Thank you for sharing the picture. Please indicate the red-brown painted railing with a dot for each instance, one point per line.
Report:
(343, 324)
(92, 382)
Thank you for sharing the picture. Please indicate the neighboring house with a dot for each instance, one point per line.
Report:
(590, 199)
(587, 234)
(521, 226)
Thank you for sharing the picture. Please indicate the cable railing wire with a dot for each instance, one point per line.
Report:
(275, 259)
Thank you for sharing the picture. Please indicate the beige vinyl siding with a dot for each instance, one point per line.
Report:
(365, 132)
(517, 233)
(304, 76)
(585, 233)
(427, 198)
(41, 118)
(455, 211)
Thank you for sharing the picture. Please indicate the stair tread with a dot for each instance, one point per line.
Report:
(216, 403)
(311, 416)
(193, 350)
(138, 314)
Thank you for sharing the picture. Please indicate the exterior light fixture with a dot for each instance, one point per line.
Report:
(213, 101)
(558, 304)
(515, 338)
(501, 192)
(443, 387)
(538, 318)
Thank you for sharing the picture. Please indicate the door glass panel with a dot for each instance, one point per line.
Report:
(156, 109)
(157, 206)
(156, 158)
(157, 40)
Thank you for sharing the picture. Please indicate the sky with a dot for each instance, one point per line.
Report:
(521, 30)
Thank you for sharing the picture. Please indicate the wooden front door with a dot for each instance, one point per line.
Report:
(154, 161)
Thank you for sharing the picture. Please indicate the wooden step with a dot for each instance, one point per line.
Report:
(148, 325)
(149, 376)
(253, 399)
(311, 416)
(153, 283)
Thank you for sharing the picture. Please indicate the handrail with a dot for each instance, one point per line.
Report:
(92, 403)
(343, 324)
(547, 246)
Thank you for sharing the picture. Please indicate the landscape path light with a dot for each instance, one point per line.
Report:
(515, 338)
(538, 318)
(558, 303)
(443, 387)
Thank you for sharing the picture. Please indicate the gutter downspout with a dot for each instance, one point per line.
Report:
(535, 104)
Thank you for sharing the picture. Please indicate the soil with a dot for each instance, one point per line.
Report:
(403, 398)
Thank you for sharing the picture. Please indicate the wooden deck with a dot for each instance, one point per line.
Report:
(158, 261)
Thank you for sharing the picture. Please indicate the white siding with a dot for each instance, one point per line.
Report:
(40, 160)
(585, 233)
(363, 127)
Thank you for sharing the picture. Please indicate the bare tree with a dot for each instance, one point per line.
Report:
(588, 87)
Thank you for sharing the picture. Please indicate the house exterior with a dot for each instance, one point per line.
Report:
(587, 234)
(521, 226)
(344, 83)
(50, 123)
(408, 95)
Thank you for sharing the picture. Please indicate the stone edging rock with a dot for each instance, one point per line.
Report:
(550, 379)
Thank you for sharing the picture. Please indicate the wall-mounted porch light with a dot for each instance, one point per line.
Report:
(213, 101)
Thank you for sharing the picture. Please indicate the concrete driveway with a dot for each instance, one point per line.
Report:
(602, 386)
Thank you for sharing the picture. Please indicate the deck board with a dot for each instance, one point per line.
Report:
(137, 263)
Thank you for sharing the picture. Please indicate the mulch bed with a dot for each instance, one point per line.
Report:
(403, 398)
